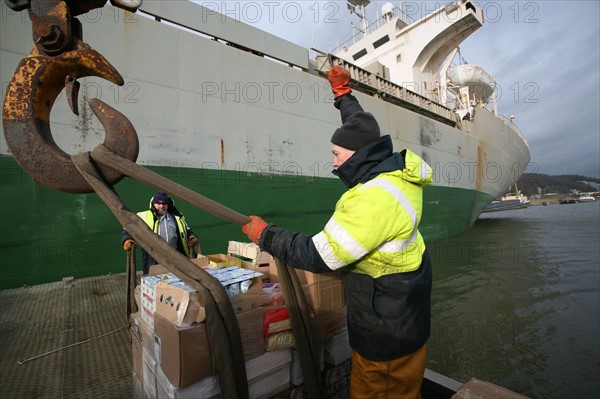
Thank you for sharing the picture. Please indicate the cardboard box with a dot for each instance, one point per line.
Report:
(142, 337)
(149, 380)
(324, 291)
(251, 299)
(148, 295)
(148, 345)
(250, 251)
(250, 324)
(179, 303)
(183, 306)
(147, 317)
(222, 261)
(329, 323)
(252, 257)
(185, 355)
(136, 344)
(138, 388)
(267, 375)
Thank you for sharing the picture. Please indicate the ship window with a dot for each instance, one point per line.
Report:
(361, 53)
(471, 6)
(381, 41)
(399, 58)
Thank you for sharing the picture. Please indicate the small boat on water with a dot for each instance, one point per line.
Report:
(508, 202)
(568, 201)
(586, 198)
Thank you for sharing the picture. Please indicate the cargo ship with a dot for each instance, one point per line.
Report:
(244, 117)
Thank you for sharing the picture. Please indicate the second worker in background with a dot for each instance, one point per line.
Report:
(164, 219)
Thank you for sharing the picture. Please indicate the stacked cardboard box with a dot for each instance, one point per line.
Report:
(325, 295)
(251, 256)
(148, 296)
(267, 375)
(170, 346)
(324, 291)
(185, 355)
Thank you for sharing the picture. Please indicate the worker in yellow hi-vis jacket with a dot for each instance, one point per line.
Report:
(164, 219)
(373, 236)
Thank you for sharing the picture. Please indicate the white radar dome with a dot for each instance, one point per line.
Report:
(387, 9)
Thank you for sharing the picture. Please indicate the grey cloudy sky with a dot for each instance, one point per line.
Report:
(543, 54)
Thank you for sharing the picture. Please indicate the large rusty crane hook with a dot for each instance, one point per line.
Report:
(31, 93)
(58, 59)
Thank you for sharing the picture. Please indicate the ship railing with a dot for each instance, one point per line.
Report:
(373, 84)
(509, 122)
(372, 27)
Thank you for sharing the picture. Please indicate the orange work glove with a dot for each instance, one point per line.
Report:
(254, 228)
(339, 79)
(128, 244)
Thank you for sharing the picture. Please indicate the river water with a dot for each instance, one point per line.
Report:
(516, 301)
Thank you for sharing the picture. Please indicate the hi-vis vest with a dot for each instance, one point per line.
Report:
(152, 222)
(376, 223)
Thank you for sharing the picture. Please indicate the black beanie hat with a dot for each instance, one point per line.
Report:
(160, 198)
(359, 130)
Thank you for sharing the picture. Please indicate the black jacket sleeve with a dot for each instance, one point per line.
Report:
(348, 106)
(295, 249)
(125, 236)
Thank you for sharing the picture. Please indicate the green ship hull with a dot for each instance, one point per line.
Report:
(47, 235)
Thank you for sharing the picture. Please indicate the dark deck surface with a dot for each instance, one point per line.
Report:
(43, 318)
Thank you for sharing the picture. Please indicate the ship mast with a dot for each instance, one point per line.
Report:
(361, 4)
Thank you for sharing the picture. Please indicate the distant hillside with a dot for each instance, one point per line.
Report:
(534, 183)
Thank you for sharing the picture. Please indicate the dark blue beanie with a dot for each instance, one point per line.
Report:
(359, 130)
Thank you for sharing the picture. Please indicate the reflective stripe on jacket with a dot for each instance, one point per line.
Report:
(375, 223)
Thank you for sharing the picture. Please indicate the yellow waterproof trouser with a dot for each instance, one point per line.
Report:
(395, 379)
